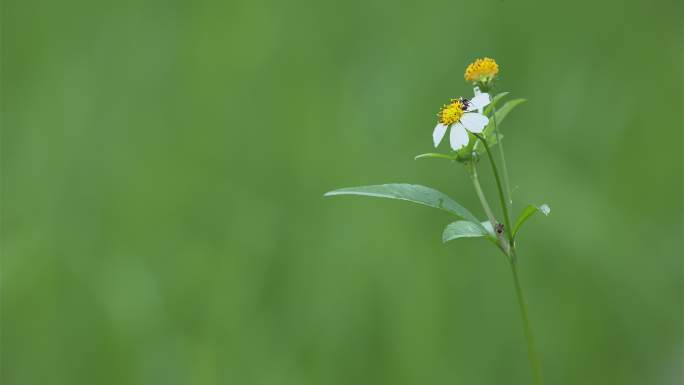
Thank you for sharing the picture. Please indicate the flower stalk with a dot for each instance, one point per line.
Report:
(504, 167)
(472, 172)
(472, 168)
(508, 230)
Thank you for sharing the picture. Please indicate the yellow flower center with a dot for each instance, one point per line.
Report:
(452, 112)
(481, 69)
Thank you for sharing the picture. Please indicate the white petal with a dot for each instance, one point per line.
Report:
(474, 122)
(478, 101)
(438, 133)
(458, 136)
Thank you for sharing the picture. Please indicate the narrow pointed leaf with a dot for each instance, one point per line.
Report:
(436, 155)
(500, 116)
(507, 107)
(495, 100)
(527, 213)
(412, 193)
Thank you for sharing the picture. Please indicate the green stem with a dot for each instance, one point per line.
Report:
(472, 169)
(529, 337)
(503, 159)
(480, 194)
(508, 229)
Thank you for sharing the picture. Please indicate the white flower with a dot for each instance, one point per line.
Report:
(459, 115)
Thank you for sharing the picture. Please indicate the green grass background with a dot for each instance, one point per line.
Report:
(163, 165)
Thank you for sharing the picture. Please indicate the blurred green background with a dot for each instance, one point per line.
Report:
(163, 165)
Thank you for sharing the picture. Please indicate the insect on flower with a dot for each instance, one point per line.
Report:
(459, 115)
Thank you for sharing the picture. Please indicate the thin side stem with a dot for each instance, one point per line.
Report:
(503, 244)
(507, 184)
(481, 196)
(504, 207)
(527, 326)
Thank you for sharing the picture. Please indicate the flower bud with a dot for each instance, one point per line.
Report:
(482, 73)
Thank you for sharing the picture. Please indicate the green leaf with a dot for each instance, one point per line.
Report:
(500, 116)
(527, 213)
(412, 193)
(436, 155)
(508, 107)
(495, 100)
(488, 226)
(467, 229)
(463, 229)
(454, 156)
